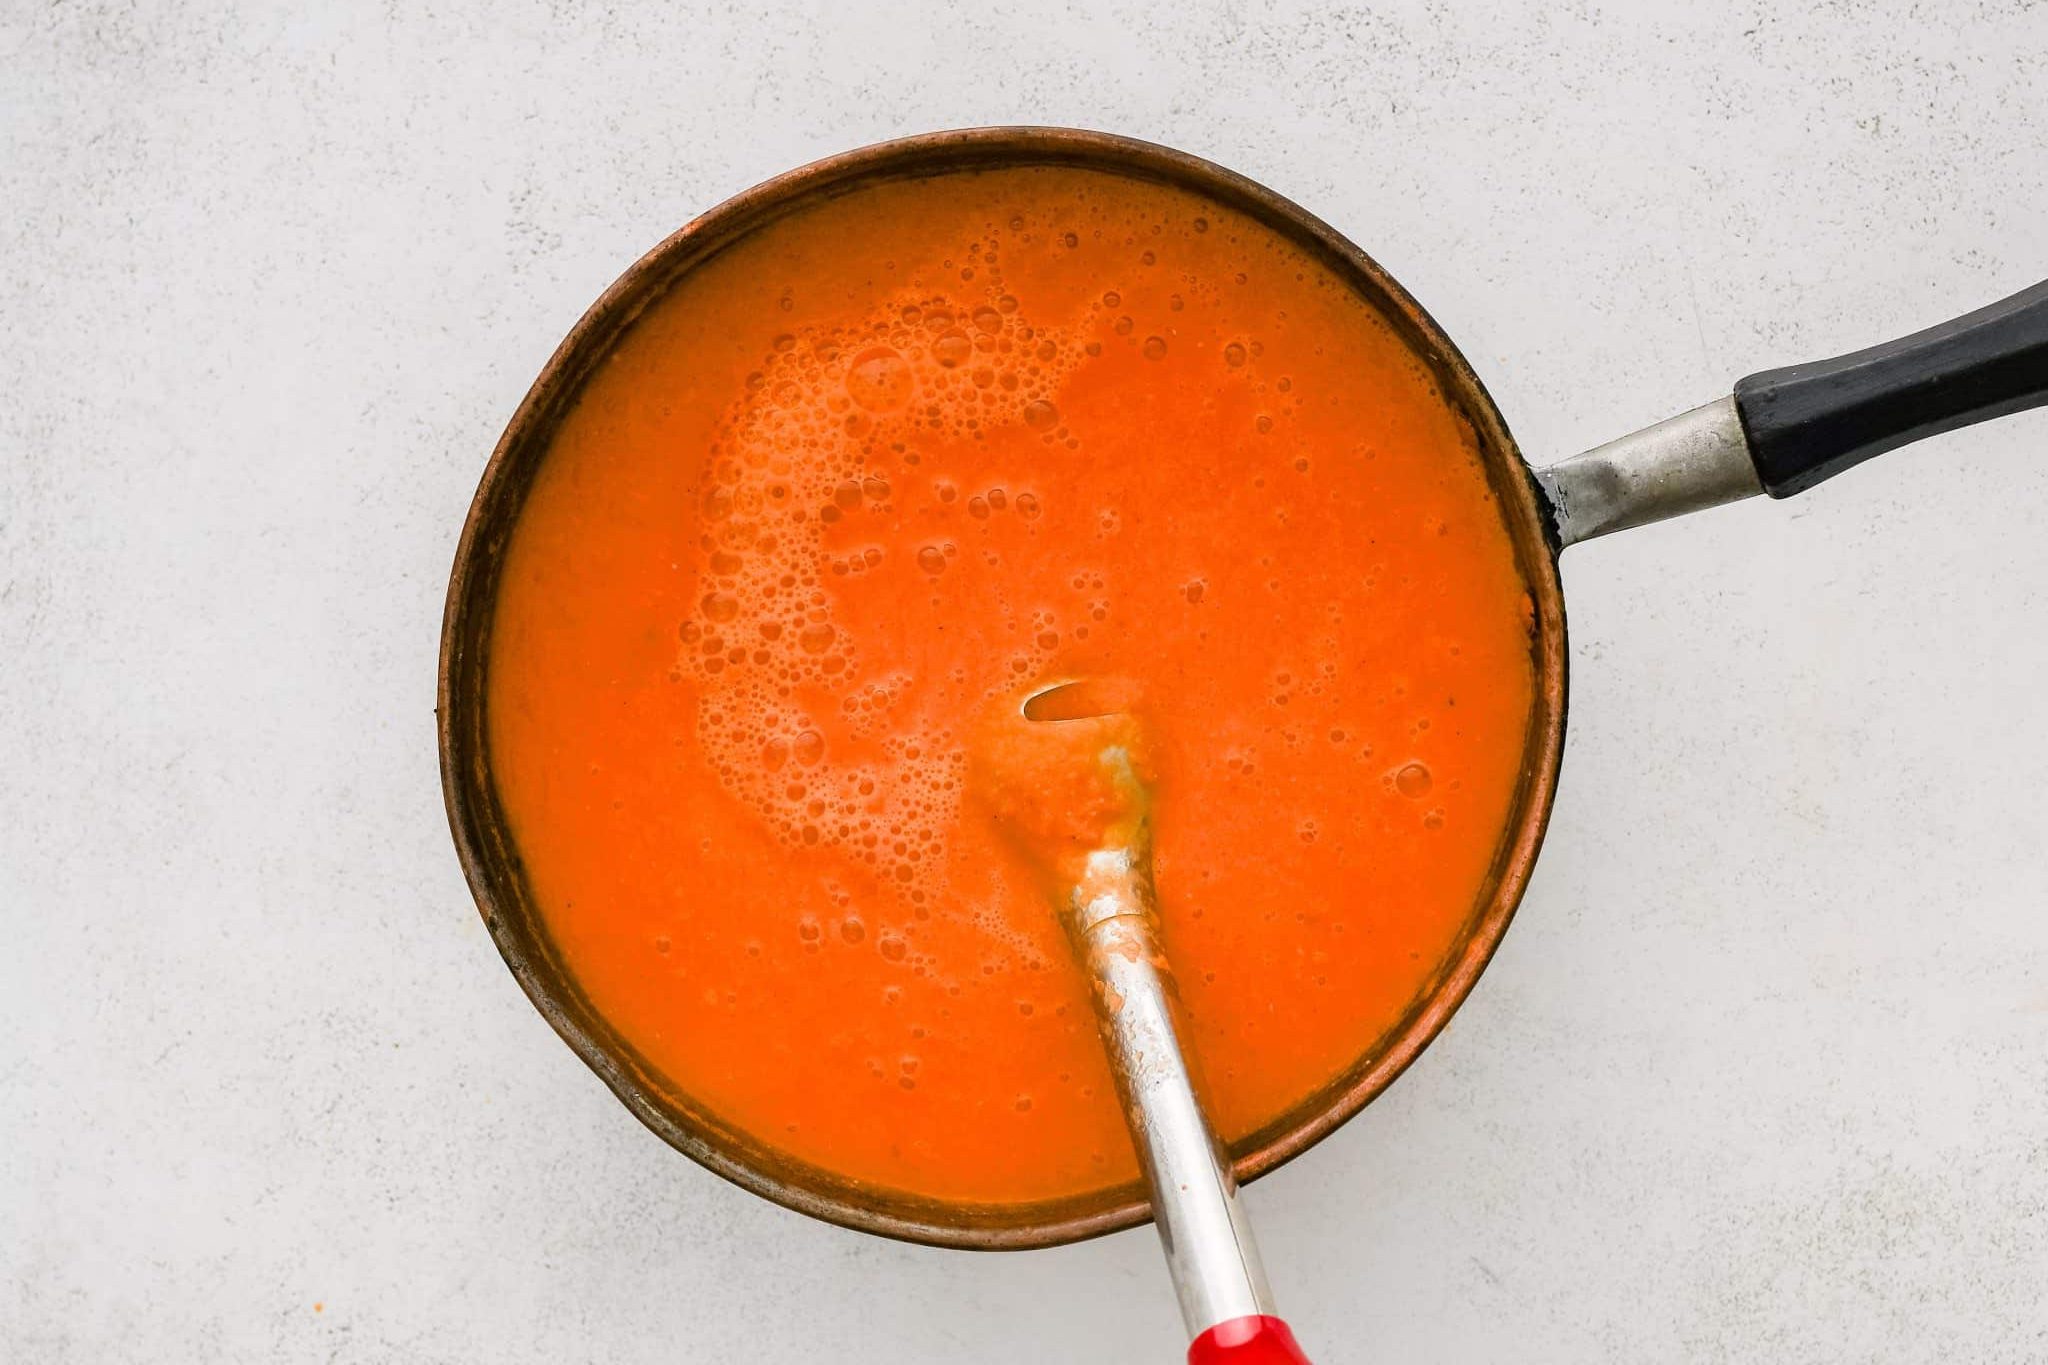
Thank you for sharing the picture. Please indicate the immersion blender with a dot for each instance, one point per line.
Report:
(1065, 775)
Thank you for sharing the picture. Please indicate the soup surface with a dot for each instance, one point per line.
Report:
(904, 453)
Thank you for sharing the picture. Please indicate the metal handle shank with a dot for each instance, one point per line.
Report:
(1696, 460)
(1208, 1240)
(1785, 430)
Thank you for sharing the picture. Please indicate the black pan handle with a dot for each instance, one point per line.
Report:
(1806, 423)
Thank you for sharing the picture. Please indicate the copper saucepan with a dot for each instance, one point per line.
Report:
(1779, 432)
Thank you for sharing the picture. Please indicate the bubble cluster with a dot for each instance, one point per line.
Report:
(823, 438)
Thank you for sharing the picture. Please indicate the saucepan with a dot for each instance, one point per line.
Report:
(1778, 432)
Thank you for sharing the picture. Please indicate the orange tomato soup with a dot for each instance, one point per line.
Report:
(907, 451)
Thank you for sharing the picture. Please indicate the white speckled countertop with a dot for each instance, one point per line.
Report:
(1761, 1072)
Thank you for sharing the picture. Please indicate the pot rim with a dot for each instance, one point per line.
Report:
(490, 861)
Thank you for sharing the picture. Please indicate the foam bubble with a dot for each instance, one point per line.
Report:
(952, 348)
(1413, 779)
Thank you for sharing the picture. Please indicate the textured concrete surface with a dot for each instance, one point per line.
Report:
(1762, 1071)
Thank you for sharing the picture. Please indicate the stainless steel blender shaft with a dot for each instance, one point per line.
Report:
(1209, 1247)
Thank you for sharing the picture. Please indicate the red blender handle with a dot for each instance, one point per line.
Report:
(1257, 1340)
